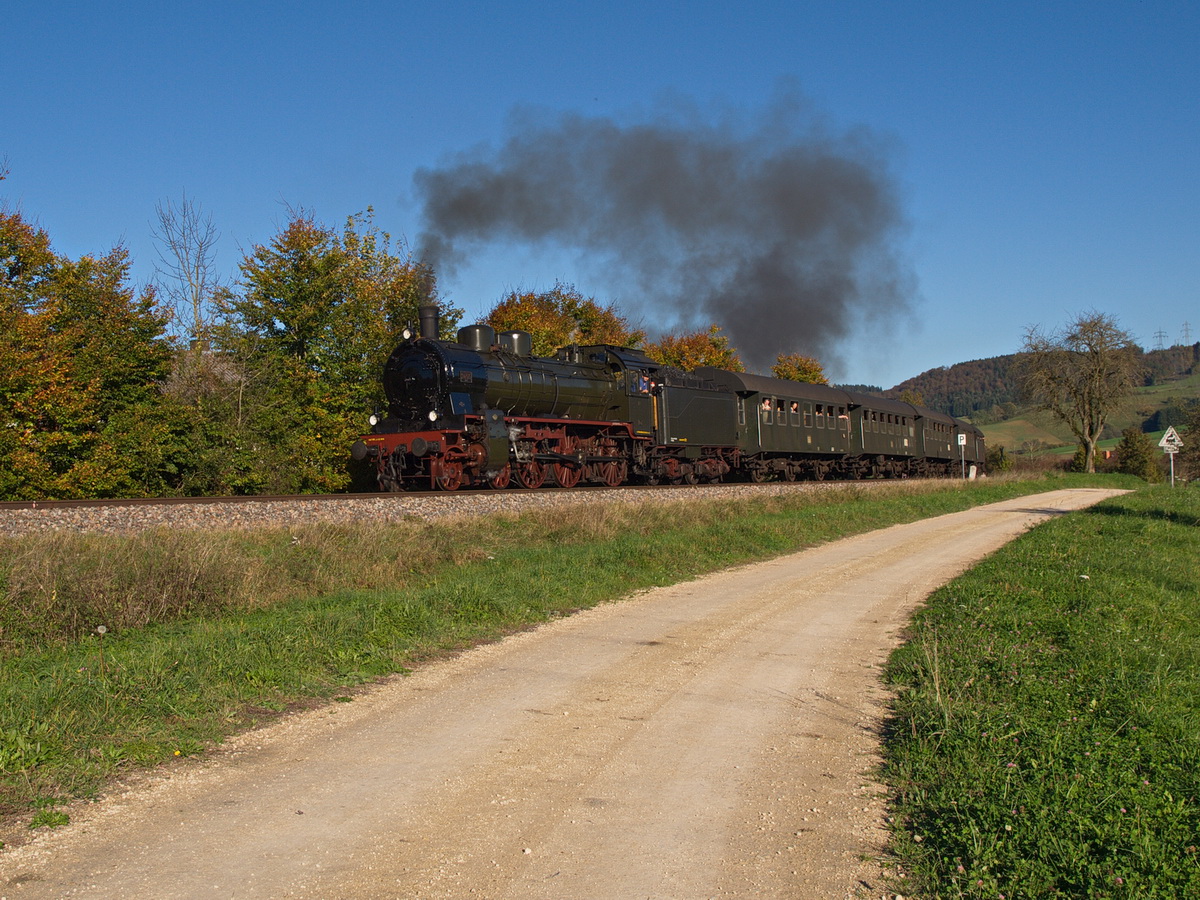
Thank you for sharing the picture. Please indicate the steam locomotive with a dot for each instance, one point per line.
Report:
(483, 411)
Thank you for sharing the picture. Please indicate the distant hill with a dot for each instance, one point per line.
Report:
(987, 390)
(965, 388)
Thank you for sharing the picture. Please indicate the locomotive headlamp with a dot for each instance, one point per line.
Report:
(433, 416)
(374, 420)
(407, 334)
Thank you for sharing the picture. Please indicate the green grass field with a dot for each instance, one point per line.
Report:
(1046, 736)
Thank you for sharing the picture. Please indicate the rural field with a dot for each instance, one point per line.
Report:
(1045, 701)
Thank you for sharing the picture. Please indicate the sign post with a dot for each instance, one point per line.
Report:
(962, 453)
(1171, 443)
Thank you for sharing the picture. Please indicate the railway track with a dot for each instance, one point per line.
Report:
(134, 515)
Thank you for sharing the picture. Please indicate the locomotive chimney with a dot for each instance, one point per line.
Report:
(430, 326)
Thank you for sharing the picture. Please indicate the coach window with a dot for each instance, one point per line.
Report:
(795, 408)
(766, 410)
(843, 419)
(808, 415)
(741, 410)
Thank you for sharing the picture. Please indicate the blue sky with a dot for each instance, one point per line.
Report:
(1044, 155)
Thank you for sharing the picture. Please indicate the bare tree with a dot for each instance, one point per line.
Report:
(187, 246)
(1080, 373)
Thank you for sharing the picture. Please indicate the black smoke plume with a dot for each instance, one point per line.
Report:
(777, 229)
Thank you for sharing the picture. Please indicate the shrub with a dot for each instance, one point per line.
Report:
(1137, 455)
(998, 460)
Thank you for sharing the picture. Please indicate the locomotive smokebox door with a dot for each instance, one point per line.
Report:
(497, 441)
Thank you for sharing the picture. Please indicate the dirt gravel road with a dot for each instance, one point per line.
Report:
(711, 739)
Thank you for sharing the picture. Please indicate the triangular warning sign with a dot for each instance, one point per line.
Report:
(1171, 440)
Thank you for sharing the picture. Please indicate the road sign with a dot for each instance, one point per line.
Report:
(1171, 441)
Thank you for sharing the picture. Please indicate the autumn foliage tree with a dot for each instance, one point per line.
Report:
(562, 316)
(82, 358)
(695, 349)
(299, 350)
(796, 367)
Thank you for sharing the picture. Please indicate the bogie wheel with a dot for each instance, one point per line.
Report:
(501, 479)
(758, 475)
(531, 474)
(789, 473)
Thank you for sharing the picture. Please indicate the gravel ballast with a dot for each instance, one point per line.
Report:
(124, 517)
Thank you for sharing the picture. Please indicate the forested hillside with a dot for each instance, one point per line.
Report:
(964, 388)
(988, 390)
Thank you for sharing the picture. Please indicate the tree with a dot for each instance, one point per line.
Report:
(795, 367)
(26, 263)
(1188, 458)
(302, 341)
(1080, 374)
(562, 316)
(1137, 455)
(82, 356)
(186, 243)
(291, 288)
(699, 348)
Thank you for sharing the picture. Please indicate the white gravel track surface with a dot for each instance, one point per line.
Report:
(710, 739)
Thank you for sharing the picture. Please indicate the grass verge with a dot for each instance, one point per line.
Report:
(1046, 736)
(209, 633)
